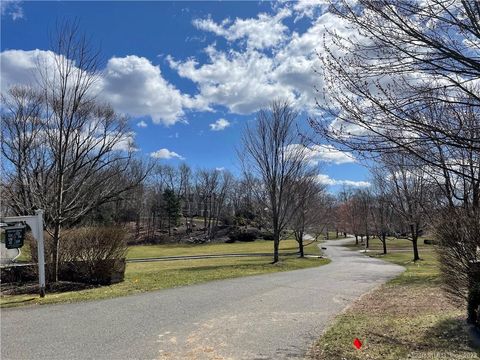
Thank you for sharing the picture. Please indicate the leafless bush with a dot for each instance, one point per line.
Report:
(92, 244)
(458, 233)
(88, 254)
(85, 244)
(47, 245)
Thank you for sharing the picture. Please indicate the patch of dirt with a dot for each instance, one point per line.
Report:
(407, 301)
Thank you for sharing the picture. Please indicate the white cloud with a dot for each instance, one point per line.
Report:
(298, 60)
(265, 31)
(166, 154)
(135, 86)
(245, 80)
(354, 183)
(12, 8)
(241, 81)
(274, 64)
(327, 180)
(19, 66)
(316, 154)
(126, 143)
(142, 124)
(327, 153)
(220, 169)
(308, 8)
(219, 125)
(132, 84)
(347, 129)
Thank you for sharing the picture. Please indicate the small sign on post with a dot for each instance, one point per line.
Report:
(14, 236)
(17, 236)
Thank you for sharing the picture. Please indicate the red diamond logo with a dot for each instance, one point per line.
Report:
(357, 343)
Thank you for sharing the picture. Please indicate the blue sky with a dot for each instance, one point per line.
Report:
(190, 74)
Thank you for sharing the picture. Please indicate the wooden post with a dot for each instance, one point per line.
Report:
(40, 252)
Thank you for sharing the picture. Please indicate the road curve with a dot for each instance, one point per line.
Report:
(274, 316)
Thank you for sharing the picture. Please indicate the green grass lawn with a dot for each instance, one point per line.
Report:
(407, 318)
(258, 246)
(141, 277)
(151, 251)
(332, 235)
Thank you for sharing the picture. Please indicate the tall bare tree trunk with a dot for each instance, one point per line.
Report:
(414, 243)
(276, 246)
(300, 245)
(169, 227)
(205, 211)
(56, 251)
(384, 243)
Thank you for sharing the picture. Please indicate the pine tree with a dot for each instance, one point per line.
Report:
(171, 208)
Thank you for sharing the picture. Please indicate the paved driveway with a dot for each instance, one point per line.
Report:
(274, 316)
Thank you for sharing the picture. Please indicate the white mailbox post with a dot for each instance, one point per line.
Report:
(36, 224)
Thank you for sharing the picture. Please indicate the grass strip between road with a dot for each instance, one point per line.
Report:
(407, 318)
(142, 277)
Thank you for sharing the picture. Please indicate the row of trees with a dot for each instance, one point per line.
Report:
(404, 92)
(171, 197)
(399, 203)
(170, 194)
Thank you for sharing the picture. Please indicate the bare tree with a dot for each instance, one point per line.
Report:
(223, 191)
(171, 177)
(409, 188)
(306, 203)
(381, 208)
(21, 148)
(324, 214)
(363, 199)
(186, 194)
(350, 213)
(274, 153)
(247, 208)
(205, 187)
(81, 150)
(407, 82)
(383, 78)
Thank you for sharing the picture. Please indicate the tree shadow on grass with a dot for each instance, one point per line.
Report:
(387, 340)
(252, 263)
(449, 335)
(223, 267)
(446, 336)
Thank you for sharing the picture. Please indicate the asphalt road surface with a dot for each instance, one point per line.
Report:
(274, 316)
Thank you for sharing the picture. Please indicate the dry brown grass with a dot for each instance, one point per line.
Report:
(408, 318)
